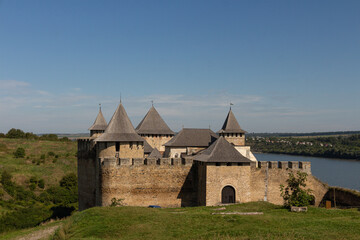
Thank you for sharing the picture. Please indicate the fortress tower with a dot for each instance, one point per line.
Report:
(235, 135)
(154, 130)
(120, 139)
(99, 125)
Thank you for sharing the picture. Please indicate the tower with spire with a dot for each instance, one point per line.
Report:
(154, 130)
(232, 131)
(99, 125)
(120, 139)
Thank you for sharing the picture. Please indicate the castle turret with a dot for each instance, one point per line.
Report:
(99, 125)
(120, 139)
(154, 130)
(232, 131)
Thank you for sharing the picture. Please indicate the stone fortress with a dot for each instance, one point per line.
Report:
(151, 165)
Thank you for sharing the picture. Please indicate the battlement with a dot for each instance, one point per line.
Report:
(112, 162)
(302, 166)
(270, 165)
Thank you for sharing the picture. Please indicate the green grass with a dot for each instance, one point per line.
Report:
(16, 234)
(198, 223)
(23, 168)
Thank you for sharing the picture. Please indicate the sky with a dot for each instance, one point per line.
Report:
(287, 66)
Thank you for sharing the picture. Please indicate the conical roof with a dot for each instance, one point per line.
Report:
(100, 122)
(120, 128)
(221, 151)
(153, 123)
(155, 154)
(231, 125)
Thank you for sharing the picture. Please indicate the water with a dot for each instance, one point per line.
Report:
(335, 172)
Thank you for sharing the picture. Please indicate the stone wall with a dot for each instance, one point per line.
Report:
(256, 184)
(266, 180)
(157, 141)
(143, 182)
(237, 141)
(218, 177)
(126, 149)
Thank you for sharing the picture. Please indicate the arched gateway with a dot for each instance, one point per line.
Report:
(228, 195)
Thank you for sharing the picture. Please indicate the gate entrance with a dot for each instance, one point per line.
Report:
(228, 195)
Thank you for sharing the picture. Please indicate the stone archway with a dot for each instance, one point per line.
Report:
(228, 195)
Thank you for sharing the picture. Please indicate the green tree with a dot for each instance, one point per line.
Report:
(19, 153)
(15, 133)
(295, 194)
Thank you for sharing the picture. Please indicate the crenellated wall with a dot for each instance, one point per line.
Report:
(143, 182)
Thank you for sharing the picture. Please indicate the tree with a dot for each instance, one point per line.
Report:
(295, 194)
(19, 153)
(15, 133)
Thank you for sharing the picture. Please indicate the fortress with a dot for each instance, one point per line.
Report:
(151, 165)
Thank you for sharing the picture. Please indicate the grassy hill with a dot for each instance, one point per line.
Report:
(37, 185)
(49, 160)
(199, 223)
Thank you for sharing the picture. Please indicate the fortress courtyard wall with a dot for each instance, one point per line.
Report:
(143, 182)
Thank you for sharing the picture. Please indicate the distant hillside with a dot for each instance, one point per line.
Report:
(312, 134)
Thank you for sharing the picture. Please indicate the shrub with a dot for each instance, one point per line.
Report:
(15, 133)
(41, 183)
(116, 202)
(294, 194)
(51, 154)
(6, 179)
(19, 153)
(2, 135)
(69, 181)
(42, 157)
(24, 218)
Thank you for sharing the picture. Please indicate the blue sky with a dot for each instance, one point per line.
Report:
(288, 66)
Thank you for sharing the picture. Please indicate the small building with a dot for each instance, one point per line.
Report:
(189, 141)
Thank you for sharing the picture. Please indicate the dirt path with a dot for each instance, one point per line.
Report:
(40, 234)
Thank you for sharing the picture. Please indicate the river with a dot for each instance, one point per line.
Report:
(335, 172)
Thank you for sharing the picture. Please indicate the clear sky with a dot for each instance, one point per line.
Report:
(288, 66)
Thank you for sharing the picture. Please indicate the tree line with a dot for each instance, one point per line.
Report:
(343, 147)
(18, 133)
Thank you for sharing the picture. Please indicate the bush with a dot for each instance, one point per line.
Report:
(41, 184)
(19, 153)
(6, 179)
(24, 218)
(42, 157)
(51, 154)
(2, 135)
(15, 133)
(294, 194)
(69, 181)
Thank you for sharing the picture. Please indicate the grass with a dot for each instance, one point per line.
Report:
(52, 169)
(16, 234)
(198, 223)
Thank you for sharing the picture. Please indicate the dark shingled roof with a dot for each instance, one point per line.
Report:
(147, 147)
(155, 154)
(231, 125)
(193, 137)
(221, 151)
(100, 122)
(120, 128)
(152, 123)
